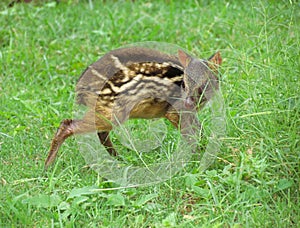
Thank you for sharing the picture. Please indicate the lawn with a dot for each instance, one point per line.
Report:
(253, 182)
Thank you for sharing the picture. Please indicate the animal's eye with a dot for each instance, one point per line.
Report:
(201, 89)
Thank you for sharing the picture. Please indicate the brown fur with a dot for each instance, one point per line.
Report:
(139, 83)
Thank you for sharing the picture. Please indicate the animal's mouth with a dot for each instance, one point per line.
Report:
(193, 102)
(189, 103)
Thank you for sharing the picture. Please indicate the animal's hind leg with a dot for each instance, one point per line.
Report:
(105, 140)
(66, 129)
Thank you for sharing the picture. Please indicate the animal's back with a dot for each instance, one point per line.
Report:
(142, 77)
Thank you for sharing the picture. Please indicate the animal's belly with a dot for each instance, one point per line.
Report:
(149, 108)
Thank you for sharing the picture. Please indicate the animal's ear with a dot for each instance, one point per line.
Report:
(215, 61)
(184, 58)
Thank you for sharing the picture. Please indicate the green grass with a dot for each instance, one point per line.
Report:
(253, 183)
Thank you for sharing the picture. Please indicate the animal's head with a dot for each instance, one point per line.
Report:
(200, 78)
